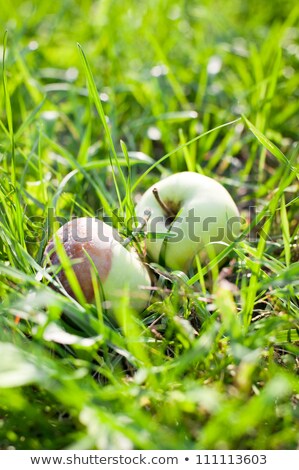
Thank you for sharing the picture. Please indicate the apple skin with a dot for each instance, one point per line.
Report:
(191, 196)
(120, 271)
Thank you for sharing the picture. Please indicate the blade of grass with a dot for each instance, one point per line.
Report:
(181, 147)
(99, 107)
(285, 231)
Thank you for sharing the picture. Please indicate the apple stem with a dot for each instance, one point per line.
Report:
(165, 208)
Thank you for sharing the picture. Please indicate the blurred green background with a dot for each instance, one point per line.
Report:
(155, 57)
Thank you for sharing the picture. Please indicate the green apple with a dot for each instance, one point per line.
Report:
(91, 244)
(190, 214)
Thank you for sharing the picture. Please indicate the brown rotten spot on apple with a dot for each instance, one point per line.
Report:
(81, 236)
(90, 245)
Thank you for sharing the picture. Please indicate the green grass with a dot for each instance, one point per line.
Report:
(205, 86)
